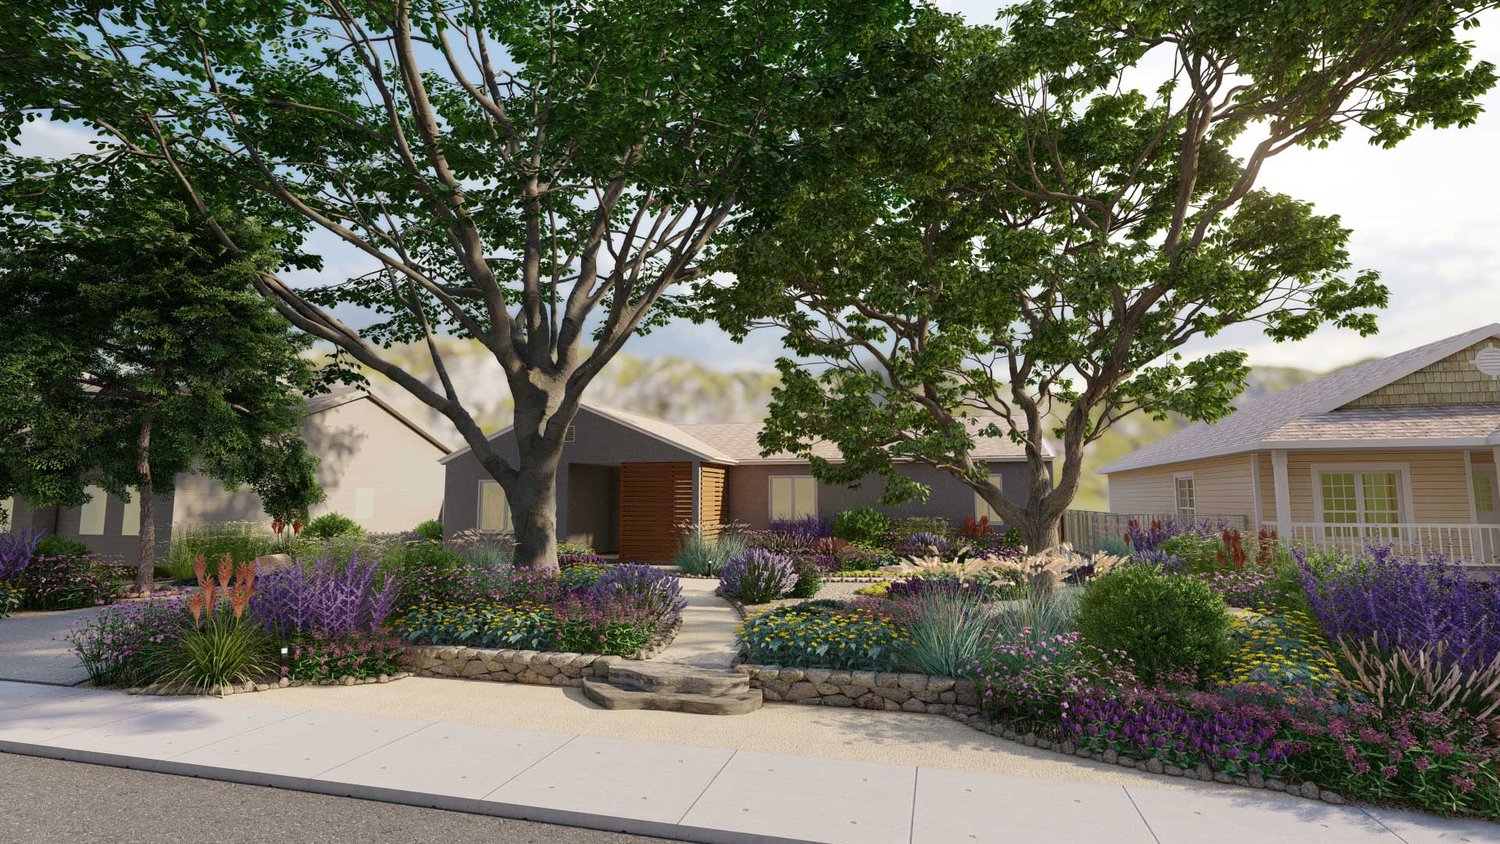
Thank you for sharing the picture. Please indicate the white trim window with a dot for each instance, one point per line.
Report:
(1484, 492)
(130, 521)
(982, 509)
(793, 497)
(494, 510)
(91, 514)
(1185, 494)
(1365, 498)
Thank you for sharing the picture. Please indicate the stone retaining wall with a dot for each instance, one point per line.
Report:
(864, 689)
(537, 668)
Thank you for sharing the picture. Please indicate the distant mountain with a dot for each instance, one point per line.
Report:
(681, 389)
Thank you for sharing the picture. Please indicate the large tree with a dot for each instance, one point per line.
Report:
(136, 348)
(1010, 231)
(534, 175)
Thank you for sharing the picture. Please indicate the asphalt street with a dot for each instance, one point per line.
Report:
(50, 801)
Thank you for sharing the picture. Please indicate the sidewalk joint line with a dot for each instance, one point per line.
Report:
(540, 760)
(911, 831)
(1394, 833)
(711, 780)
(1142, 815)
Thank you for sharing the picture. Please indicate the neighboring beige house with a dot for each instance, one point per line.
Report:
(377, 467)
(1399, 451)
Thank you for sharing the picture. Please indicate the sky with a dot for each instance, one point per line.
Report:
(1426, 215)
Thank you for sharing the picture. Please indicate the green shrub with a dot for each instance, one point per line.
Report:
(905, 527)
(817, 637)
(1166, 625)
(862, 524)
(432, 529)
(430, 573)
(809, 577)
(330, 525)
(53, 545)
(65, 575)
(242, 541)
(703, 556)
(10, 598)
(313, 660)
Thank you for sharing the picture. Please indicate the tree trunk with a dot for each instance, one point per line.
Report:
(146, 573)
(1039, 531)
(533, 510)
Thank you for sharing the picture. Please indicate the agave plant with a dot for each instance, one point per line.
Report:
(1399, 678)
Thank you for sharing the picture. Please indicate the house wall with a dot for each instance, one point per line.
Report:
(113, 542)
(596, 441)
(362, 447)
(594, 506)
(1454, 380)
(1439, 481)
(749, 493)
(1222, 486)
(25, 517)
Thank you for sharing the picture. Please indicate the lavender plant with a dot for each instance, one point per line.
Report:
(756, 575)
(325, 600)
(803, 532)
(658, 591)
(1410, 602)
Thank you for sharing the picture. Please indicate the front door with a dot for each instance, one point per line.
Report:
(1487, 510)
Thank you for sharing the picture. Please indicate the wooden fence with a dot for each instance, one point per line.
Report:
(1088, 530)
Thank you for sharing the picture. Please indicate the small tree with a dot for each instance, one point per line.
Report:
(534, 175)
(136, 348)
(1010, 231)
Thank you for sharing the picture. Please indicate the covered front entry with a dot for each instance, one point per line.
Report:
(656, 508)
(594, 506)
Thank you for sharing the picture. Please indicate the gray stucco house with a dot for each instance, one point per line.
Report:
(628, 484)
(377, 466)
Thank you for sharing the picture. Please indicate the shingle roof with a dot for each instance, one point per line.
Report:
(1262, 419)
(1391, 423)
(735, 442)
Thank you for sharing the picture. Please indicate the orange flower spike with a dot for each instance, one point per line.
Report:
(226, 571)
(210, 595)
(200, 569)
(195, 606)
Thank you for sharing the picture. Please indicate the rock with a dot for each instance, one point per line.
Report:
(840, 678)
(1067, 747)
(947, 697)
(1223, 778)
(1111, 756)
(838, 700)
(384, 678)
(913, 705)
(863, 678)
(1171, 770)
(768, 674)
(887, 681)
(562, 660)
(1309, 790)
(1276, 785)
(1155, 766)
(473, 669)
(792, 675)
(912, 682)
(1205, 773)
(966, 692)
(870, 700)
(284, 682)
(826, 688)
(801, 691)
(818, 676)
(1255, 780)
(893, 694)
(940, 684)
(1331, 797)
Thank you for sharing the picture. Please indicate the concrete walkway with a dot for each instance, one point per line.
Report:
(32, 647)
(706, 639)
(700, 794)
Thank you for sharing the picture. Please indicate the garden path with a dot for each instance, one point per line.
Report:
(705, 794)
(32, 647)
(706, 639)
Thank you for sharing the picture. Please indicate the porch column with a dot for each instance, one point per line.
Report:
(1283, 494)
(698, 493)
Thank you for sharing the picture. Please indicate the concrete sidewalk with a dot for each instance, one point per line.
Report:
(690, 793)
(32, 647)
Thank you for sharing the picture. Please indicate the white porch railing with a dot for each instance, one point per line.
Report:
(1465, 544)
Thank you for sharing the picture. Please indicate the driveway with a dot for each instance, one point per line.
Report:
(32, 647)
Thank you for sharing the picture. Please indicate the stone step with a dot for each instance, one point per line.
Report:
(610, 696)
(658, 676)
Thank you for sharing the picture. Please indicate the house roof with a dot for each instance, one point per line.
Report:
(342, 395)
(734, 443)
(1309, 413)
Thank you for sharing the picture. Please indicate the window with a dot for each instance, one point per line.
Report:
(1484, 493)
(91, 515)
(130, 523)
(494, 511)
(569, 434)
(982, 508)
(1359, 498)
(1187, 496)
(364, 503)
(793, 497)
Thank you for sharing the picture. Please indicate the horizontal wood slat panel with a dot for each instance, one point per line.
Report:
(712, 492)
(655, 498)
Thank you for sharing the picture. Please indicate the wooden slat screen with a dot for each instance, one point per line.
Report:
(656, 499)
(712, 502)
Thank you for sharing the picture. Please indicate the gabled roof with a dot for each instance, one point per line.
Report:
(342, 395)
(734, 443)
(1314, 408)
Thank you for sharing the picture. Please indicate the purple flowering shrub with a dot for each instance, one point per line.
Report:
(800, 533)
(613, 623)
(756, 576)
(924, 544)
(1250, 588)
(1145, 724)
(1032, 679)
(324, 600)
(1406, 602)
(16, 550)
(114, 646)
(363, 658)
(525, 586)
(68, 581)
(655, 589)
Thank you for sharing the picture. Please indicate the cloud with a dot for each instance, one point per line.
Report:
(50, 139)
